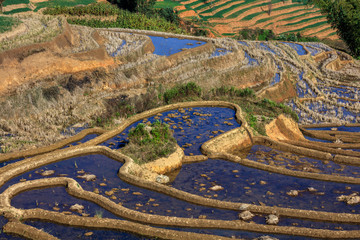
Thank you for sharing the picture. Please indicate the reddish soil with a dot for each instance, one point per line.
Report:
(190, 13)
(224, 25)
(39, 61)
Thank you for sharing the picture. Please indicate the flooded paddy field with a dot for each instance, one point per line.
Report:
(212, 197)
(192, 127)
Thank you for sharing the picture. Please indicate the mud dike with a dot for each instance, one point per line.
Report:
(232, 183)
(33, 175)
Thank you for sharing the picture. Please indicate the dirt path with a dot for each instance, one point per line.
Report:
(302, 25)
(283, 15)
(214, 5)
(326, 34)
(229, 5)
(242, 7)
(13, 7)
(246, 13)
(315, 31)
(187, 2)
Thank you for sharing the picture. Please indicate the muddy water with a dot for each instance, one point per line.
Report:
(300, 50)
(269, 156)
(192, 126)
(248, 185)
(70, 233)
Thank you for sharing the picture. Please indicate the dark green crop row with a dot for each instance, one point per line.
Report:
(132, 21)
(99, 9)
(17, 10)
(125, 19)
(7, 23)
(13, 2)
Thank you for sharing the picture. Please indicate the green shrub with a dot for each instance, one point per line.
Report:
(233, 92)
(13, 2)
(18, 10)
(97, 9)
(266, 35)
(7, 23)
(63, 3)
(150, 142)
(188, 90)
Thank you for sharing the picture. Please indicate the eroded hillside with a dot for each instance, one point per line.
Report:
(72, 74)
(243, 168)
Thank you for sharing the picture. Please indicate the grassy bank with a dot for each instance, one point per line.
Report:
(150, 142)
(7, 23)
(85, 15)
(258, 112)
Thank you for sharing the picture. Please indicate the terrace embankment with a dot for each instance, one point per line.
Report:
(219, 146)
(48, 59)
(85, 74)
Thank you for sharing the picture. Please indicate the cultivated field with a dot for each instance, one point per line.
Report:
(19, 6)
(226, 17)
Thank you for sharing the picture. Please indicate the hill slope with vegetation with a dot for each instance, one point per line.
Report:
(227, 17)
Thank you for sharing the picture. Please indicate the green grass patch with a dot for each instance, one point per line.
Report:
(273, 11)
(188, 6)
(258, 112)
(167, 4)
(14, 2)
(189, 90)
(301, 15)
(323, 30)
(97, 9)
(271, 18)
(150, 142)
(235, 14)
(229, 34)
(62, 3)
(7, 23)
(207, 4)
(261, 112)
(266, 35)
(125, 19)
(224, 4)
(308, 27)
(132, 21)
(220, 13)
(305, 20)
(18, 10)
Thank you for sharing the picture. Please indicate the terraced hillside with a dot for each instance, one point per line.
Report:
(231, 181)
(20, 6)
(226, 17)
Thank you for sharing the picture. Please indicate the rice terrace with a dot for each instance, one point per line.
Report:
(217, 119)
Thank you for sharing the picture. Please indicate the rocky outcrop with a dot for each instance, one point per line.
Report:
(166, 164)
(283, 128)
(154, 171)
(237, 138)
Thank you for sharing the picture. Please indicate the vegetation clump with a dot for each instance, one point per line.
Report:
(189, 90)
(344, 15)
(98, 9)
(160, 20)
(266, 35)
(7, 23)
(258, 112)
(150, 142)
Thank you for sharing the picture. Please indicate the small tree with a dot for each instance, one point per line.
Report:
(1, 3)
(344, 15)
(270, 7)
(142, 6)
